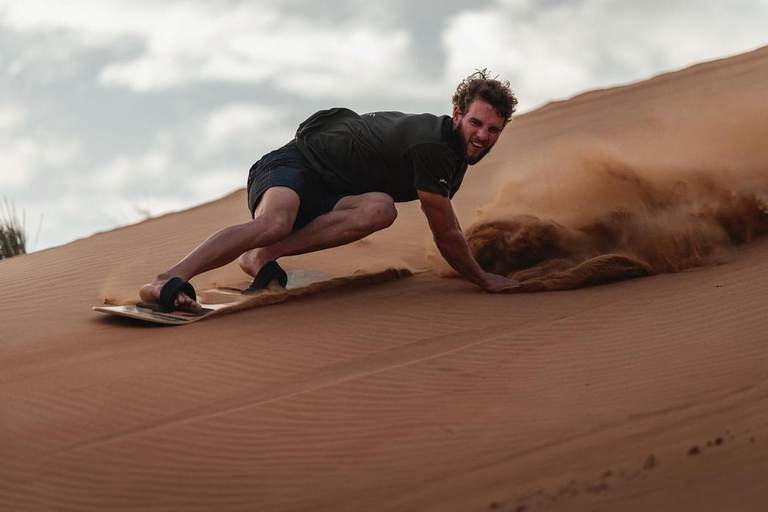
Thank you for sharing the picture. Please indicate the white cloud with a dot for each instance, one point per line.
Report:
(201, 157)
(11, 116)
(200, 162)
(299, 57)
(131, 169)
(187, 43)
(557, 50)
(194, 42)
(23, 158)
(216, 183)
(240, 125)
(353, 61)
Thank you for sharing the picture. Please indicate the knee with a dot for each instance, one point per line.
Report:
(270, 229)
(380, 212)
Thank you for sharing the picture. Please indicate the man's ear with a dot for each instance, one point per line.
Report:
(456, 116)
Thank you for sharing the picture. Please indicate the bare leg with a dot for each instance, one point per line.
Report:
(353, 218)
(273, 221)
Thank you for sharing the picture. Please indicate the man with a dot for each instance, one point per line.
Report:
(338, 182)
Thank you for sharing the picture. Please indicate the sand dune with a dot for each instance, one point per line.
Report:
(423, 393)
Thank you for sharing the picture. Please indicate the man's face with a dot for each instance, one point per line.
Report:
(479, 129)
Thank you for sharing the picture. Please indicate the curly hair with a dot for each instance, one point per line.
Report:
(491, 90)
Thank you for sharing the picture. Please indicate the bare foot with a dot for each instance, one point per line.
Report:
(251, 262)
(151, 293)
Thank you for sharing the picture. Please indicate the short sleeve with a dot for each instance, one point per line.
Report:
(433, 168)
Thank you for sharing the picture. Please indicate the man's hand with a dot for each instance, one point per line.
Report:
(495, 283)
(453, 245)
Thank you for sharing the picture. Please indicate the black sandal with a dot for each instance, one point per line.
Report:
(266, 275)
(170, 292)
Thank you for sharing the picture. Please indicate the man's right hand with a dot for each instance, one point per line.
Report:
(494, 283)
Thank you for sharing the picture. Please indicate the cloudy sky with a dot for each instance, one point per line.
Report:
(112, 110)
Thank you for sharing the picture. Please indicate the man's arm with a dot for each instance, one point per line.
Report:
(453, 245)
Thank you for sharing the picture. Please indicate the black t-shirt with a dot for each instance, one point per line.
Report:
(387, 152)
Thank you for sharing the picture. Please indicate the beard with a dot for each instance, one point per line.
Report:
(460, 142)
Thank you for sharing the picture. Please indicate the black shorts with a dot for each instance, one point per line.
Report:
(287, 167)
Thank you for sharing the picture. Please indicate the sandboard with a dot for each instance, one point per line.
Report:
(227, 299)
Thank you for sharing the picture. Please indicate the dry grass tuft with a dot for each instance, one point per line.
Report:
(13, 239)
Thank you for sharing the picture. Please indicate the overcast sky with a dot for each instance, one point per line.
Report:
(111, 110)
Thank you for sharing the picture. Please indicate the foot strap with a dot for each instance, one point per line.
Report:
(171, 290)
(266, 275)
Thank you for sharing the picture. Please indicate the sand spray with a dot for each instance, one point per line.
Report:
(600, 219)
